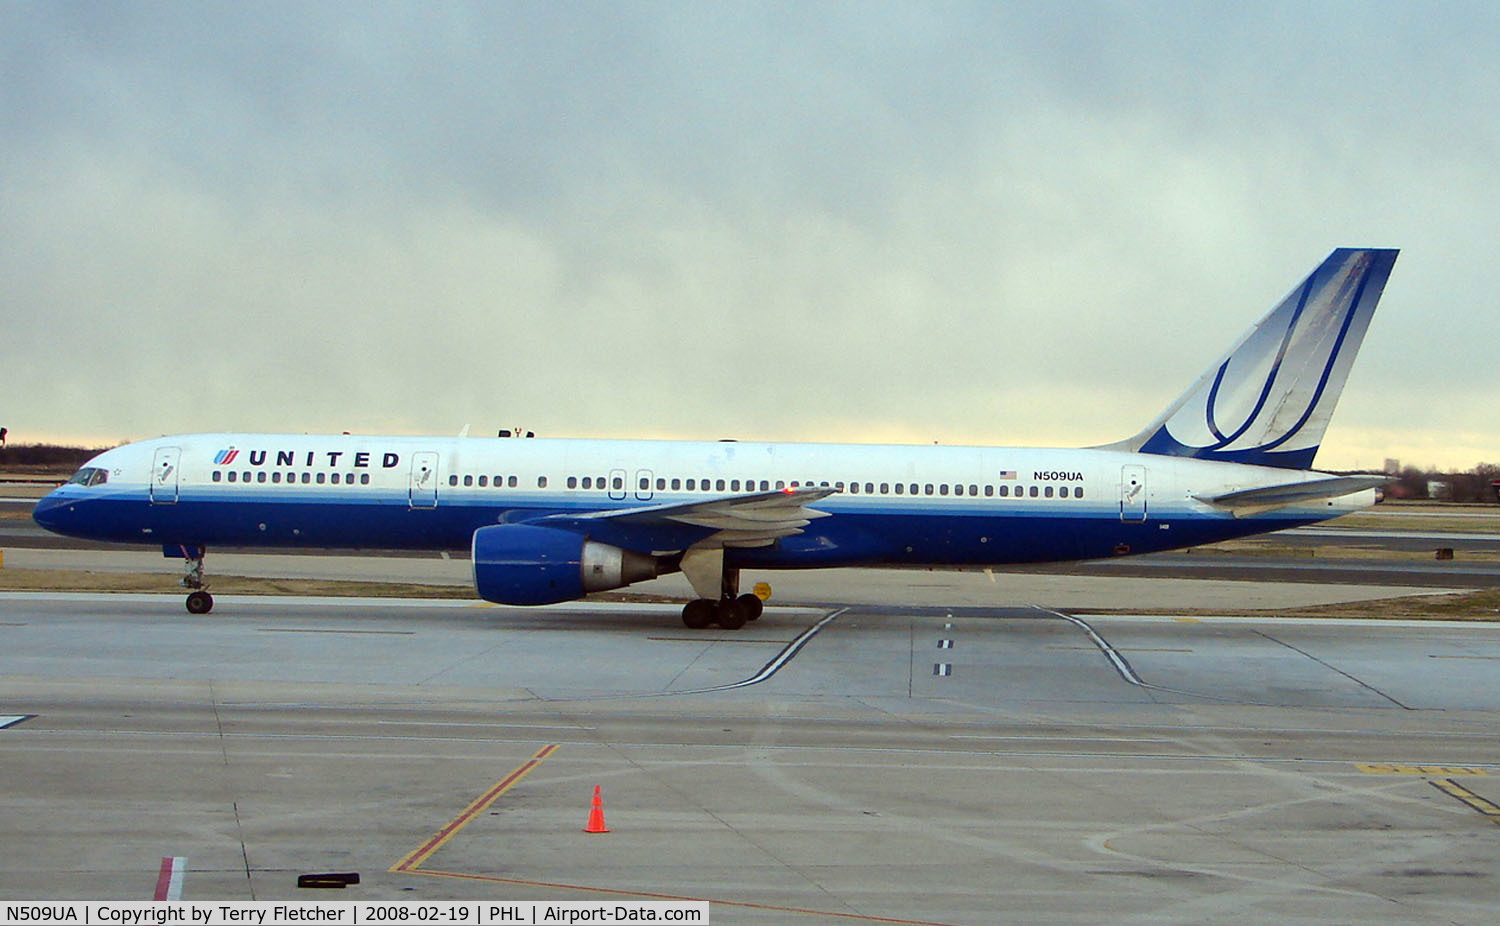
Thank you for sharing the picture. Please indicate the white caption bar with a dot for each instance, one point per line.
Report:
(354, 913)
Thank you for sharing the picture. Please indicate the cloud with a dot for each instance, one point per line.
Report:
(961, 223)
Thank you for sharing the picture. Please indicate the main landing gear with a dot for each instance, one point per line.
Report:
(198, 600)
(706, 571)
(729, 613)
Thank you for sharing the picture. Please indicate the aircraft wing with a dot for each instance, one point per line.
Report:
(753, 520)
(1266, 498)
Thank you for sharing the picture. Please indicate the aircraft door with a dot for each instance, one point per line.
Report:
(163, 488)
(617, 484)
(1132, 493)
(643, 490)
(424, 479)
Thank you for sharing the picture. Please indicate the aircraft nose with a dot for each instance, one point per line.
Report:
(51, 511)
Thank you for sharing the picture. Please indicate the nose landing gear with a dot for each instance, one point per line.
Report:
(198, 600)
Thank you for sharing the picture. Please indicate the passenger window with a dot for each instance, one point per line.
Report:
(588, 482)
(989, 491)
(364, 479)
(276, 478)
(900, 488)
(484, 481)
(541, 482)
(719, 486)
(334, 479)
(1033, 492)
(618, 483)
(734, 485)
(452, 480)
(1047, 491)
(869, 488)
(321, 478)
(676, 483)
(885, 488)
(572, 482)
(973, 490)
(942, 489)
(511, 482)
(690, 484)
(260, 476)
(218, 475)
(912, 489)
(645, 484)
(1004, 491)
(765, 485)
(468, 481)
(661, 484)
(1078, 492)
(928, 489)
(780, 485)
(306, 478)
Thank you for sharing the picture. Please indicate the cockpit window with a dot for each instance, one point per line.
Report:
(90, 476)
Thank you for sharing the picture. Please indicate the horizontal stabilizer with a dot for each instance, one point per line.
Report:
(1266, 498)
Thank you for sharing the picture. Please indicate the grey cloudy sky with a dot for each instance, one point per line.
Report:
(970, 223)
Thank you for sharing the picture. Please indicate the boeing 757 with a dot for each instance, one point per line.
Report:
(552, 520)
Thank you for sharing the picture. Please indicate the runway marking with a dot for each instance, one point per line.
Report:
(1120, 663)
(1452, 788)
(1332, 668)
(169, 879)
(1387, 769)
(943, 669)
(10, 720)
(776, 663)
(417, 856)
(945, 644)
(1436, 656)
(412, 863)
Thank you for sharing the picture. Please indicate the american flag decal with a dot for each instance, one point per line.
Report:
(1007, 474)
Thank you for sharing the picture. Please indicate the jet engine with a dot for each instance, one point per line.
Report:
(524, 564)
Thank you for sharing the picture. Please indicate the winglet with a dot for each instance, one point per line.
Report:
(1268, 401)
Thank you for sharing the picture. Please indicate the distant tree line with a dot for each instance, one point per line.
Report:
(1476, 485)
(48, 455)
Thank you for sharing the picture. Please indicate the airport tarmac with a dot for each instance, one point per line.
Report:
(937, 748)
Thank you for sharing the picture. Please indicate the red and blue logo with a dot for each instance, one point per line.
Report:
(226, 457)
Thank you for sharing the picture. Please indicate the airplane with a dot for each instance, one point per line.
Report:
(552, 520)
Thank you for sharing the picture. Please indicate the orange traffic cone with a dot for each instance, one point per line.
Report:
(596, 815)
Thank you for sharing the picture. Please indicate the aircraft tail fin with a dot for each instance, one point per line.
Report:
(1268, 401)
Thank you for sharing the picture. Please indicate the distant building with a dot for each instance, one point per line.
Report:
(1392, 466)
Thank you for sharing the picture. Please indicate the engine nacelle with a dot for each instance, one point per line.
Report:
(523, 564)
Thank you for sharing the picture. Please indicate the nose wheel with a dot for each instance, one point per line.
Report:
(198, 600)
